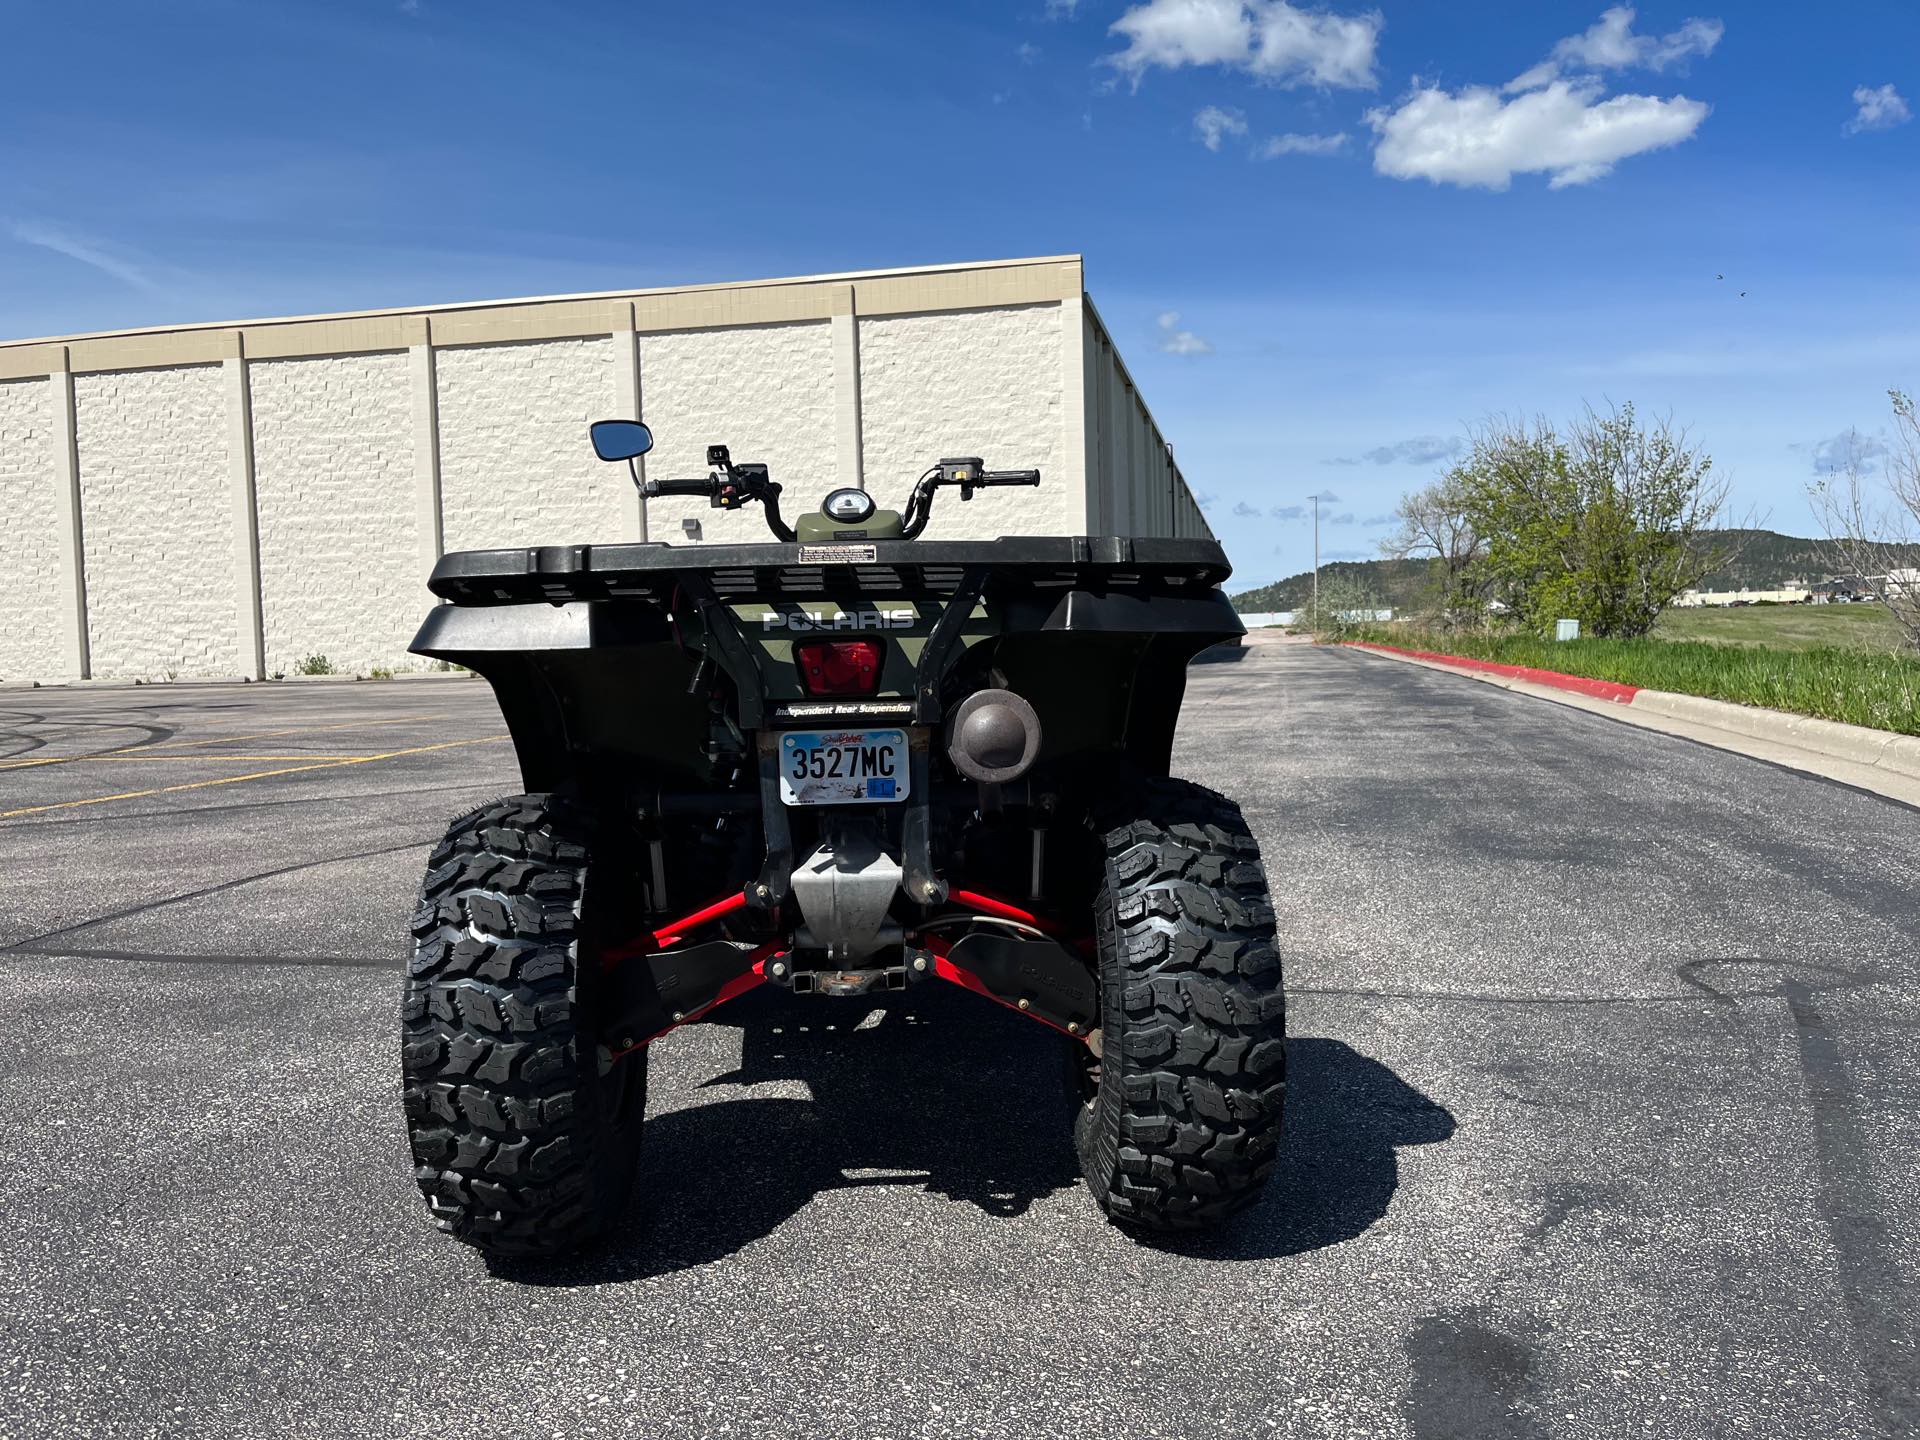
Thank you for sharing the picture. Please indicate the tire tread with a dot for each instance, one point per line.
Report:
(512, 1147)
(1183, 1130)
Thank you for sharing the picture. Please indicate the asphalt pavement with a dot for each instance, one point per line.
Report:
(1603, 1116)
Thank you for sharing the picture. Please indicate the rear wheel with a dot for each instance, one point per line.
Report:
(1179, 1123)
(524, 1134)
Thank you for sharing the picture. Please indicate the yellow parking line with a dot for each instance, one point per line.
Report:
(216, 740)
(221, 756)
(296, 730)
(242, 779)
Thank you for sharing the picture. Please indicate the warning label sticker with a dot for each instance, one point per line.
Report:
(837, 554)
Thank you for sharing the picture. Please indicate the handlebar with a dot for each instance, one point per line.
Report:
(734, 485)
(731, 488)
(708, 486)
(965, 472)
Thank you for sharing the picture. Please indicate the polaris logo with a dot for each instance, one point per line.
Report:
(845, 620)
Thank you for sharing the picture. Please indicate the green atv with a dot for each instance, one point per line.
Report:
(846, 763)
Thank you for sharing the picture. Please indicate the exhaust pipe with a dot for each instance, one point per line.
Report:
(993, 737)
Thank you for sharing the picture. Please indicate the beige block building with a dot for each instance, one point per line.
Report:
(228, 499)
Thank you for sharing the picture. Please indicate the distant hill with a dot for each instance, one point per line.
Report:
(1766, 561)
(1392, 582)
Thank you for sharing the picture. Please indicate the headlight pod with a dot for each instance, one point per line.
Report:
(848, 506)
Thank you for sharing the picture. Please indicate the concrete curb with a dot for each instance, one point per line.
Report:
(1553, 679)
(203, 681)
(1854, 754)
(1882, 749)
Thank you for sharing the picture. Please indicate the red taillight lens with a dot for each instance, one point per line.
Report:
(839, 667)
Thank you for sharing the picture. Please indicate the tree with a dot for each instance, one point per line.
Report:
(1435, 526)
(1876, 538)
(1348, 606)
(1604, 524)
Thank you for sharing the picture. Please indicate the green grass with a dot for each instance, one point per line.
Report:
(1786, 627)
(1856, 686)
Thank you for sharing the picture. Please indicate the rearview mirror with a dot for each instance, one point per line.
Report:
(620, 439)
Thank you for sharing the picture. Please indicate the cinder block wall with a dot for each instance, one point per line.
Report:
(983, 382)
(30, 638)
(228, 500)
(764, 391)
(515, 465)
(160, 579)
(340, 541)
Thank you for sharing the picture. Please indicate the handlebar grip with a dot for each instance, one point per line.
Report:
(1010, 477)
(678, 487)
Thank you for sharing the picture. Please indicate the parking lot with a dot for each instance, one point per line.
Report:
(1603, 1117)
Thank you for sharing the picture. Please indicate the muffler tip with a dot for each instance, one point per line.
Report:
(993, 737)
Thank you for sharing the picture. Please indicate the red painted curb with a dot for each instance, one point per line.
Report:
(1579, 684)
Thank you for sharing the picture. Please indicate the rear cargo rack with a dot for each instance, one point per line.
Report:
(903, 568)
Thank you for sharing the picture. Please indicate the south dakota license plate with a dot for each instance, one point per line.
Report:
(843, 767)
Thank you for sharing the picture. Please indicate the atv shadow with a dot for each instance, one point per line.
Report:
(931, 1087)
(937, 1089)
(1347, 1117)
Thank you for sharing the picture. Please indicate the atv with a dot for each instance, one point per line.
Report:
(847, 763)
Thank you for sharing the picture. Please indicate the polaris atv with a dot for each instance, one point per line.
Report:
(848, 763)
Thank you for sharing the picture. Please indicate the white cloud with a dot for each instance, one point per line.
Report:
(1245, 511)
(1610, 44)
(1028, 53)
(1847, 451)
(1268, 39)
(1175, 341)
(1213, 125)
(1564, 129)
(1878, 108)
(1421, 450)
(1301, 145)
(1062, 9)
(1335, 51)
(86, 251)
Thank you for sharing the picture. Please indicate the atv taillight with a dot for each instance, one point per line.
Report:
(839, 667)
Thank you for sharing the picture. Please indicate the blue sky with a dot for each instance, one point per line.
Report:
(1375, 225)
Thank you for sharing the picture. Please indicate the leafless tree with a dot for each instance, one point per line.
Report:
(1434, 525)
(1872, 524)
(1349, 606)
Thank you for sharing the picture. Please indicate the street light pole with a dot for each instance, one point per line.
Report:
(1316, 558)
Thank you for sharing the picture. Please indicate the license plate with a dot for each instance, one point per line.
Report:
(843, 767)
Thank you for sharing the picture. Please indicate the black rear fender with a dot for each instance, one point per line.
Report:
(596, 690)
(593, 694)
